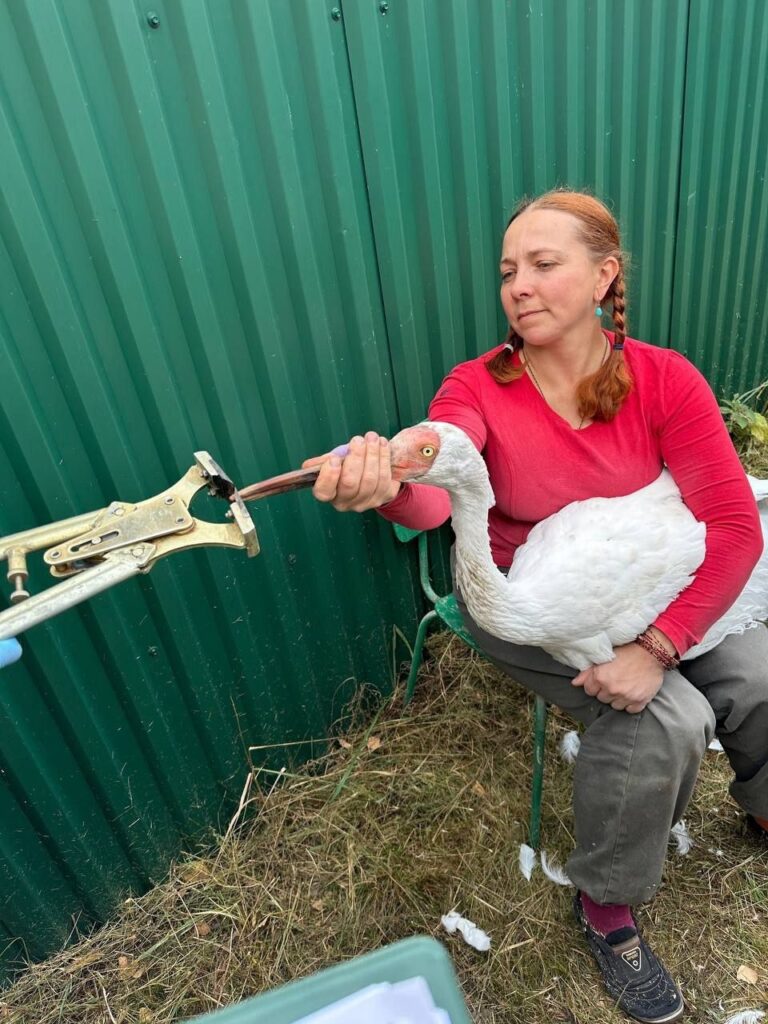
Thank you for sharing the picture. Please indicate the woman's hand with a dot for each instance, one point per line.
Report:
(628, 683)
(362, 480)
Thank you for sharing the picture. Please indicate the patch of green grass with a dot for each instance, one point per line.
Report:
(745, 418)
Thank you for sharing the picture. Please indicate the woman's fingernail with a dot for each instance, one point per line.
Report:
(341, 450)
(383, 442)
(356, 440)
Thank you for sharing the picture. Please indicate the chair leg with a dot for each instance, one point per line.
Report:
(539, 738)
(418, 649)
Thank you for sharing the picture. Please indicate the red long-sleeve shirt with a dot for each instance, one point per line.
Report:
(538, 463)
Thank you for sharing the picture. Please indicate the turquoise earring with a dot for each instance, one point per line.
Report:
(598, 310)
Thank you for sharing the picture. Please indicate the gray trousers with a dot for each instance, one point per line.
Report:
(635, 774)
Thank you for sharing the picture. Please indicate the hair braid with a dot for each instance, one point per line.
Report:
(597, 394)
(618, 306)
(501, 366)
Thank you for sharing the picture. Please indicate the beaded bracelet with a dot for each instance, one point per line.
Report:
(649, 643)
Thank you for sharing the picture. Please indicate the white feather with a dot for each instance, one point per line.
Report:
(527, 860)
(472, 935)
(553, 872)
(570, 745)
(682, 837)
(747, 1017)
(581, 584)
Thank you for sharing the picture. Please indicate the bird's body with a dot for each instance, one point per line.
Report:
(582, 583)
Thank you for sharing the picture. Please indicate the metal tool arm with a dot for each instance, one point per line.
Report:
(119, 566)
(95, 551)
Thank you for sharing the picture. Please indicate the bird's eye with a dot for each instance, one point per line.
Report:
(427, 451)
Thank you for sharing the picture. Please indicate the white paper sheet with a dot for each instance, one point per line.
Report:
(405, 1002)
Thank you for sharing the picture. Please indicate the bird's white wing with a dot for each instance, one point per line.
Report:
(607, 566)
(759, 488)
(751, 606)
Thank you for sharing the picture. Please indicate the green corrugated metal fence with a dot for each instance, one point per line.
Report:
(720, 314)
(258, 228)
(187, 262)
(464, 107)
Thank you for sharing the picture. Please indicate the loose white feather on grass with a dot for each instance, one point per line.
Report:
(472, 935)
(527, 860)
(553, 871)
(570, 745)
(682, 837)
(747, 1017)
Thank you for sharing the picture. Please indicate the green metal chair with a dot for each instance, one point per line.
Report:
(446, 610)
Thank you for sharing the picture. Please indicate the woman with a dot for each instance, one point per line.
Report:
(565, 411)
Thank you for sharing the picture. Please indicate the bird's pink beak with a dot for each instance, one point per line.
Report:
(293, 481)
(299, 478)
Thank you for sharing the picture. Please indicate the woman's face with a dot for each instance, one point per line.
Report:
(550, 283)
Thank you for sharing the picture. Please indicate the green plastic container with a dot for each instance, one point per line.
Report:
(407, 959)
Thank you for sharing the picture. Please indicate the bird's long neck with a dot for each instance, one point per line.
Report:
(482, 586)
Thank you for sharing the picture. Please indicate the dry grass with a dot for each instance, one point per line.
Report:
(429, 817)
(754, 456)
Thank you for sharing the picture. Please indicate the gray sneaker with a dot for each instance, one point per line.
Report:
(633, 975)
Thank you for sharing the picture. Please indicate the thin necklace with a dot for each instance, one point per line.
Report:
(534, 378)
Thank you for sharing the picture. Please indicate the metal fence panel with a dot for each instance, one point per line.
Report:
(187, 262)
(464, 108)
(720, 318)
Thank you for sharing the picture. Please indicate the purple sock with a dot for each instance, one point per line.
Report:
(606, 918)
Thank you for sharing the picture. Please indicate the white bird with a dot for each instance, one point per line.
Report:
(580, 585)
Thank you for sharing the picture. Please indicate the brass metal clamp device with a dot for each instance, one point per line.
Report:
(92, 552)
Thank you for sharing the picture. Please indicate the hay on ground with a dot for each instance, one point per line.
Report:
(397, 825)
